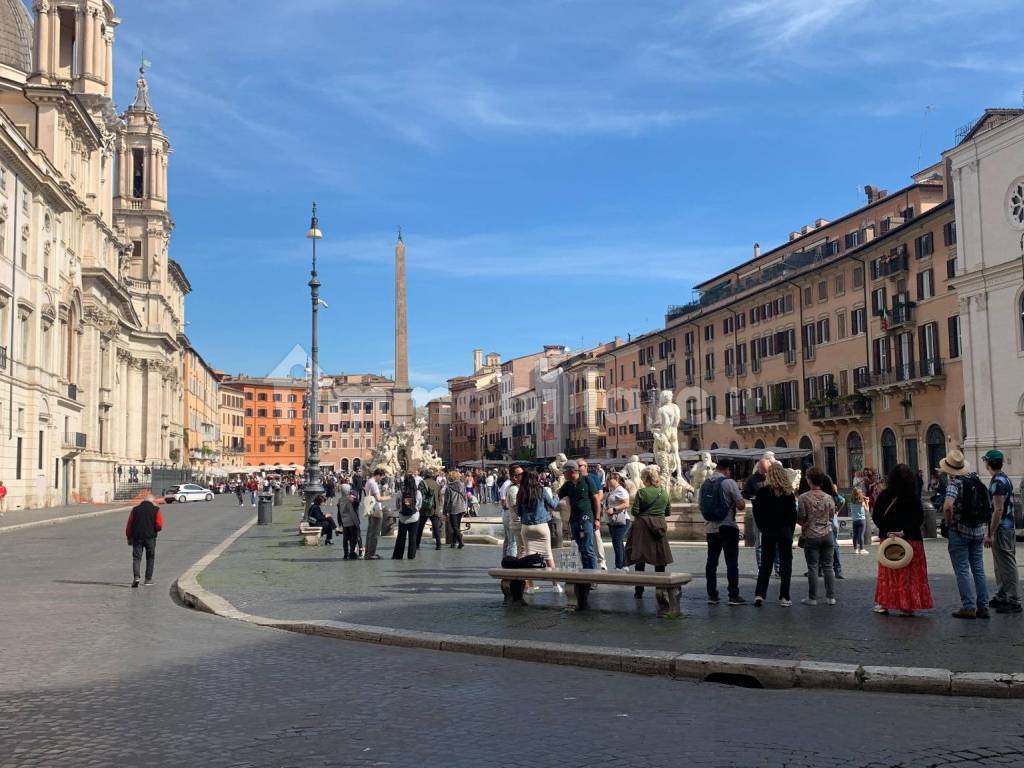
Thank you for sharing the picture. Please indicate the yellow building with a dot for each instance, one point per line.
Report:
(232, 425)
(202, 413)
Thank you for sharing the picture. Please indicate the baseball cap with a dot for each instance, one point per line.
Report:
(993, 455)
(571, 466)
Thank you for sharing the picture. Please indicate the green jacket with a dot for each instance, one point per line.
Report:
(652, 501)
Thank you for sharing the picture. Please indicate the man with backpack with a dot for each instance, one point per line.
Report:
(720, 500)
(1002, 536)
(967, 512)
(429, 492)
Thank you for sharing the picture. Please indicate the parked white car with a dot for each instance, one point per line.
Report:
(187, 492)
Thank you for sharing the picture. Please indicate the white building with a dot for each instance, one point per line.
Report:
(91, 305)
(987, 168)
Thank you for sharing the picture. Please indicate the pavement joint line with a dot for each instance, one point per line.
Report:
(695, 667)
(61, 520)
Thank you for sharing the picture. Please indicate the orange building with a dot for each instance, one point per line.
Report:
(274, 421)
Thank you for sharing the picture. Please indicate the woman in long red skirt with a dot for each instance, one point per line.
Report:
(899, 511)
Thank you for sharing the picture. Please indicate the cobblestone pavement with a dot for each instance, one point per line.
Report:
(268, 572)
(93, 673)
(21, 516)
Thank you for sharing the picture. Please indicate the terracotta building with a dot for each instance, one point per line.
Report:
(274, 420)
(355, 412)
(844, 341)
(439, 427)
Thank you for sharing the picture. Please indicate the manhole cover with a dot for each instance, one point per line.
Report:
(757, 650)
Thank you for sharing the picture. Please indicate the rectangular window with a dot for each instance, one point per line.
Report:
(823, 290)
(925, 285)
(841, 325)
(17, 460)
(858, 321)
(858, 277)
(949, 233)
(261, 413)
(950, 268)
(823, 331)
(840, 285)
(40, 459)
(878, 301)
(709, 332)
(924, 245)
(953, 327)
(808, 296)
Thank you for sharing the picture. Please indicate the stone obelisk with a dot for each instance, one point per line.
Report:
(402, 410)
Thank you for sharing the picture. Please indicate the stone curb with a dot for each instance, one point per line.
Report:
(60, 520)
(752, 672)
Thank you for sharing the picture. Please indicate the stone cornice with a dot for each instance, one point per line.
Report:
(73, 109)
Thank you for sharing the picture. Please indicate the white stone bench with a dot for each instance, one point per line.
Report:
(310, 534)
(669, 586)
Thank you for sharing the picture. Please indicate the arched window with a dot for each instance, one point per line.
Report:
(714, 446)
(694, 444)
(889, 457)
(759, 444)
(805, 444)
(854, 454)
(356, 464)
(344, 465)
(734, 446)
(781, 443)
(935, 446)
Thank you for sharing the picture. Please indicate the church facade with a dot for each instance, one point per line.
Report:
(92, 308)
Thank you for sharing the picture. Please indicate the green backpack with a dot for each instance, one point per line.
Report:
(427, 506)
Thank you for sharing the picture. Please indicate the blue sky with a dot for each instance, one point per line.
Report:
(563, 170)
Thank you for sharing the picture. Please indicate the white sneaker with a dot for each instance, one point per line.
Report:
(758, 601)
(831, 601)
(604, 567)
(808, 601)
(785, 603)
(559, 589)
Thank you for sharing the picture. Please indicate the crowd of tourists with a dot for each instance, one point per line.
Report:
(977, 514)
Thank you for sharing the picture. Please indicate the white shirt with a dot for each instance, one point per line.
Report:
(510, 501)
(490, 480)
(504, 490)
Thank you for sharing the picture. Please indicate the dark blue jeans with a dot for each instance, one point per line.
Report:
(726, 542)
(618, 533)
(583, 535)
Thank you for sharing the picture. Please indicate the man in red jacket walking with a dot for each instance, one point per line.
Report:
(144, 523)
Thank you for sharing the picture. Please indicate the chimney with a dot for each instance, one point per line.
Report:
(757, 250)
(478, 360)
(793, 236)
(818, 223)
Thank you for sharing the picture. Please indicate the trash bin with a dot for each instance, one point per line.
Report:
(278, 497)
(265, 511)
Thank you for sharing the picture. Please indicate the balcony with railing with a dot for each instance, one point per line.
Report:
(790, 357)
(765, 420)
(894, 266)
(913, 375)
(840, 412)
(74, 441)
(902, 316)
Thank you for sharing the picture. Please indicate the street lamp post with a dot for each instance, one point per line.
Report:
(312, 486)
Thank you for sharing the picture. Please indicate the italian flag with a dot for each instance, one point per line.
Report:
(885, 318)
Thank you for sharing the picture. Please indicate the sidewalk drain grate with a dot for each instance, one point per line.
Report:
(758, 650)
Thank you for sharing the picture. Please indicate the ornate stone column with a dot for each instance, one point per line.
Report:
(42, 9)
(108, 40)
(89, 43)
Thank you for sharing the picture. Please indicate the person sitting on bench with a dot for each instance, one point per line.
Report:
(326, 522)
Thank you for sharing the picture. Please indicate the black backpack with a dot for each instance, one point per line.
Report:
(713, 506)
(427, 506)
(975, 502)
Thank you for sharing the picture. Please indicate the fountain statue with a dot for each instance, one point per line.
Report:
(405, 449)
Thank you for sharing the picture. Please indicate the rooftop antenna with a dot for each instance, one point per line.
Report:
(920, 142)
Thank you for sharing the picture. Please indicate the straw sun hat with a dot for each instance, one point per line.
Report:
(895, 553)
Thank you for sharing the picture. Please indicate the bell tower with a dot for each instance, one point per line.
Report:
(140, 202)
(74, 45)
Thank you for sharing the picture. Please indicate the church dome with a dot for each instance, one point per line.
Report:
(15, 36)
